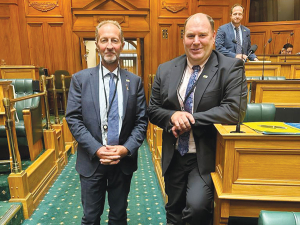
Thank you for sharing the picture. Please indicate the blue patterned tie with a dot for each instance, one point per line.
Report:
(183, 142)
(238, 40)
(113, 115)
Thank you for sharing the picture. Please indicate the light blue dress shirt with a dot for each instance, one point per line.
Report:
(240, 33)
(102, 101)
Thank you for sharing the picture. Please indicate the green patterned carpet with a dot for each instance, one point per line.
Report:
(62, 204)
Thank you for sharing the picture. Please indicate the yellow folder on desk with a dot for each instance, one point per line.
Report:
(278, 128)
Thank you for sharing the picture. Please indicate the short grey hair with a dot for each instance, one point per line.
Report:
(110, 22)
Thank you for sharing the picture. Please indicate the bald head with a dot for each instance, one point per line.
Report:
(200, 16)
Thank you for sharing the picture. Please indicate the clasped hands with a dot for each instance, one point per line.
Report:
(181, 122)
(111, 154)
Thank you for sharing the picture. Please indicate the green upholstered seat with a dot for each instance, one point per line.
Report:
(266, 78)
(23, 87)
(278, 218)
(260, 112)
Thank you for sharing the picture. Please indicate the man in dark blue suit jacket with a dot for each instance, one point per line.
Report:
(102, 167)
(226, 35)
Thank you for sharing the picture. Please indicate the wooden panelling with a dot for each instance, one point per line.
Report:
(10, 36)
(174, 8)
(36, 43)
(295, 72)
(51, 8)
(218, 13)
(139, 4)
(165, 37)
(57, 46)
(259, 38)
(281, 39)
(281, 93)
(179, 37)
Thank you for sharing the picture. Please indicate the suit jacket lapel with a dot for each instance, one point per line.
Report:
(244, 34)
(231, 35)
(207, 74)
(94, 82)
(174, 78)
(125, 84)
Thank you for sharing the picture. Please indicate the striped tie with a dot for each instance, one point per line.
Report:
(238, 40)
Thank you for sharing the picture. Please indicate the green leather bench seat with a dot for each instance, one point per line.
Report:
(266, 78)
(278, 218)
(257, 112)
(24, 87)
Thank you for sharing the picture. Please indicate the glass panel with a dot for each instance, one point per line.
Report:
(274, 10)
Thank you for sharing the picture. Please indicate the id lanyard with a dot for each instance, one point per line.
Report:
(105, 126)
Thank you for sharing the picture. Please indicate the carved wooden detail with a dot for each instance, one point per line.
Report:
(174, 7)
(44, 6)
(122, 20)
(119, 19)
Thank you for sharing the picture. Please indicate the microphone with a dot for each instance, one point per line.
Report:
(274, 42)
(263, 70)
(252, 49)
(235, 42)
(238, 126)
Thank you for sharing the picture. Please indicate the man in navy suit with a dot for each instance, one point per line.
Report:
(235, 32)
(106, 114)
(189, 94)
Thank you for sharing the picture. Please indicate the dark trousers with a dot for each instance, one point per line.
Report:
(108, 179)
(190, 199)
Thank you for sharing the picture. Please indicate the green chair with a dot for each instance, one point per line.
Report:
(28, 120)
(260, 112)
(266, 78)
(278, 218)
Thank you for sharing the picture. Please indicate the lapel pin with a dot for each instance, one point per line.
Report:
(205, 76)
(127, 80)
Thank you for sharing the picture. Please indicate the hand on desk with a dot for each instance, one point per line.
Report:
(182, 122)
(111, 154)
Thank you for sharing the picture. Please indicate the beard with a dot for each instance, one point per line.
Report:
(109, 59)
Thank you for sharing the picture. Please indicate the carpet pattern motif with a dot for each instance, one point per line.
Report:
(62, 204)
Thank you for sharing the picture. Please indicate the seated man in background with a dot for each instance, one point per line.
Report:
(233, 39)
(282, 51)
(289, 48)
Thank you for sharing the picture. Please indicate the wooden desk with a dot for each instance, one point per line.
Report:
(291, 70)
(280, 58)
(255, 172)
(19, 72)
(283, 93)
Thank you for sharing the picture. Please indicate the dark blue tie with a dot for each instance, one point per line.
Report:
(183, 142)
(238, 40)
(113, 114)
